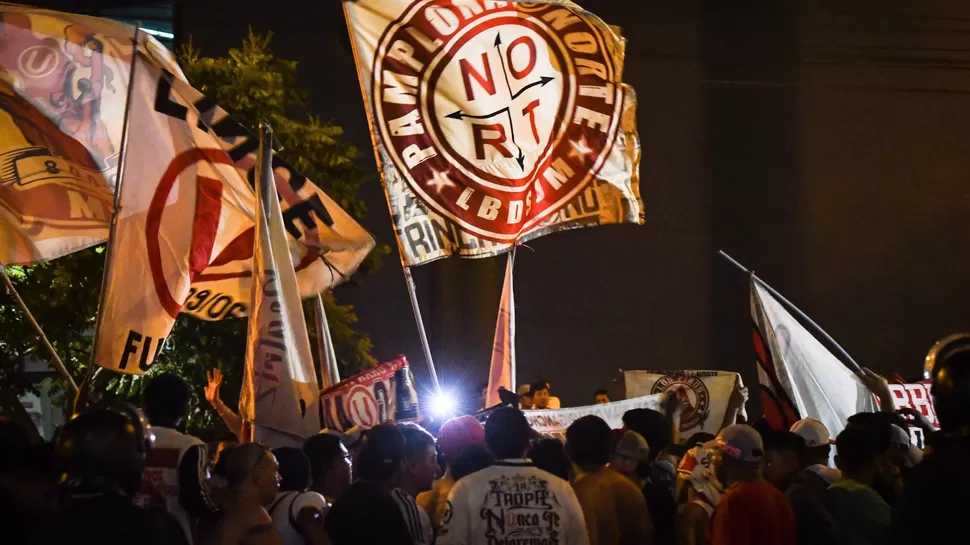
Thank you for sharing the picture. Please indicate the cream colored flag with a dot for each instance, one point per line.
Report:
(280, 394)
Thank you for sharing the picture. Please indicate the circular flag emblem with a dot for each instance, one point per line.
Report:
(496, 114)
(694, 395)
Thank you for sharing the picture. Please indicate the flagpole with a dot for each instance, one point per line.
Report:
(377, 158)
(58, 363)
(122, 161)
(514, 371)
(329, 372)
(422, 334)
(847, 359)
(88, 382)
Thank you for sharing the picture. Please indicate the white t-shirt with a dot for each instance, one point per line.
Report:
(509, 503)
(418, 521)
(285, 510)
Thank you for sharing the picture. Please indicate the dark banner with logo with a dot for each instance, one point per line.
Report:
(382, 394)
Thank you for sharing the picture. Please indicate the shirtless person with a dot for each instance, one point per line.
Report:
(253, 482)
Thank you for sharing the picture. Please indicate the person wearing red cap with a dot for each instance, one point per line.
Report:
(454, 437)
(752, 511)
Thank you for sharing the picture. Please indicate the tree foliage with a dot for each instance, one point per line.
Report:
(253, 85)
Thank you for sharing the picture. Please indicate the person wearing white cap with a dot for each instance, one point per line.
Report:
(752, 511)
(815, 523)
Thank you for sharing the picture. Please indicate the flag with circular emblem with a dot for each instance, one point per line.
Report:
(495, 122)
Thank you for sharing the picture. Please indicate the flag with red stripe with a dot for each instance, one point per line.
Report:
(186, 227)
(799, 376)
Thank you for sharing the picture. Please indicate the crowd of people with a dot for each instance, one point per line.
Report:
(118, 475)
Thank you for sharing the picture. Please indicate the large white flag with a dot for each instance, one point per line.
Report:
(503, 349)
(495, 122)
(799, 376)
(279, 392)
(186, 231)
(182, 202)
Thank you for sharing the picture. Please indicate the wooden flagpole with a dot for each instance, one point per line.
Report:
(422, 334)
(109, 251)
(846, 358)
(513, 378)
(409, 281)
(55, 359)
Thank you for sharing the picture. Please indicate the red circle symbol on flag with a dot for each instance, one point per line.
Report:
(205, 222)
(362, 407)
(496, 114)
(694, 396)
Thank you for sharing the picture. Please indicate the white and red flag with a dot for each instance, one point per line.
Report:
(279, 393)
(186, 229)
(495, 122)
(63, 82)
(799, 376)
(502, 369)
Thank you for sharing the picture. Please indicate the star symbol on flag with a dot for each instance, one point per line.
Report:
(581, 149)
(439, 180)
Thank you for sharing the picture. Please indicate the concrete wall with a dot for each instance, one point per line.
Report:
(823, 146)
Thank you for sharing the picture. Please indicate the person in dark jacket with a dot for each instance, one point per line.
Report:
(806, 490)
(102, 454)
(933, 500)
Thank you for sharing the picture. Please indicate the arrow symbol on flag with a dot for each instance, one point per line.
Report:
(462, 115)
(541, 83)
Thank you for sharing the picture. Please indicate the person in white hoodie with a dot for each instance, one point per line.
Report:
(511, 501)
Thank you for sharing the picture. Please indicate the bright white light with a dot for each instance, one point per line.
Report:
(442, 405)
(159, 33)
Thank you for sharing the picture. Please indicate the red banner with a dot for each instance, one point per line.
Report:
(384, 393)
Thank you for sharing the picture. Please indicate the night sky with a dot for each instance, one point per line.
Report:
(823, 144)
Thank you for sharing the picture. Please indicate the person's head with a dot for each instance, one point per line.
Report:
(165, 400)
(459, 434)
(739, 454)
(631, 456)
(105, 448)
(35, 485)
(882, 424)
(783, 454)
(472, 459)
(948, 367)
(14, 446)
(329, 465)
(699, 438)
(857, 453)
(294, 469)
(601, 397)
(550, 455)
(217, 452)
(482, 388)
(221, 465)
(540, 394)
(588, 442)
(253, 473)
(652, 425)
(507, 433)
(817, 441)
(420, 458)
(380, 457)
(525, 396)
